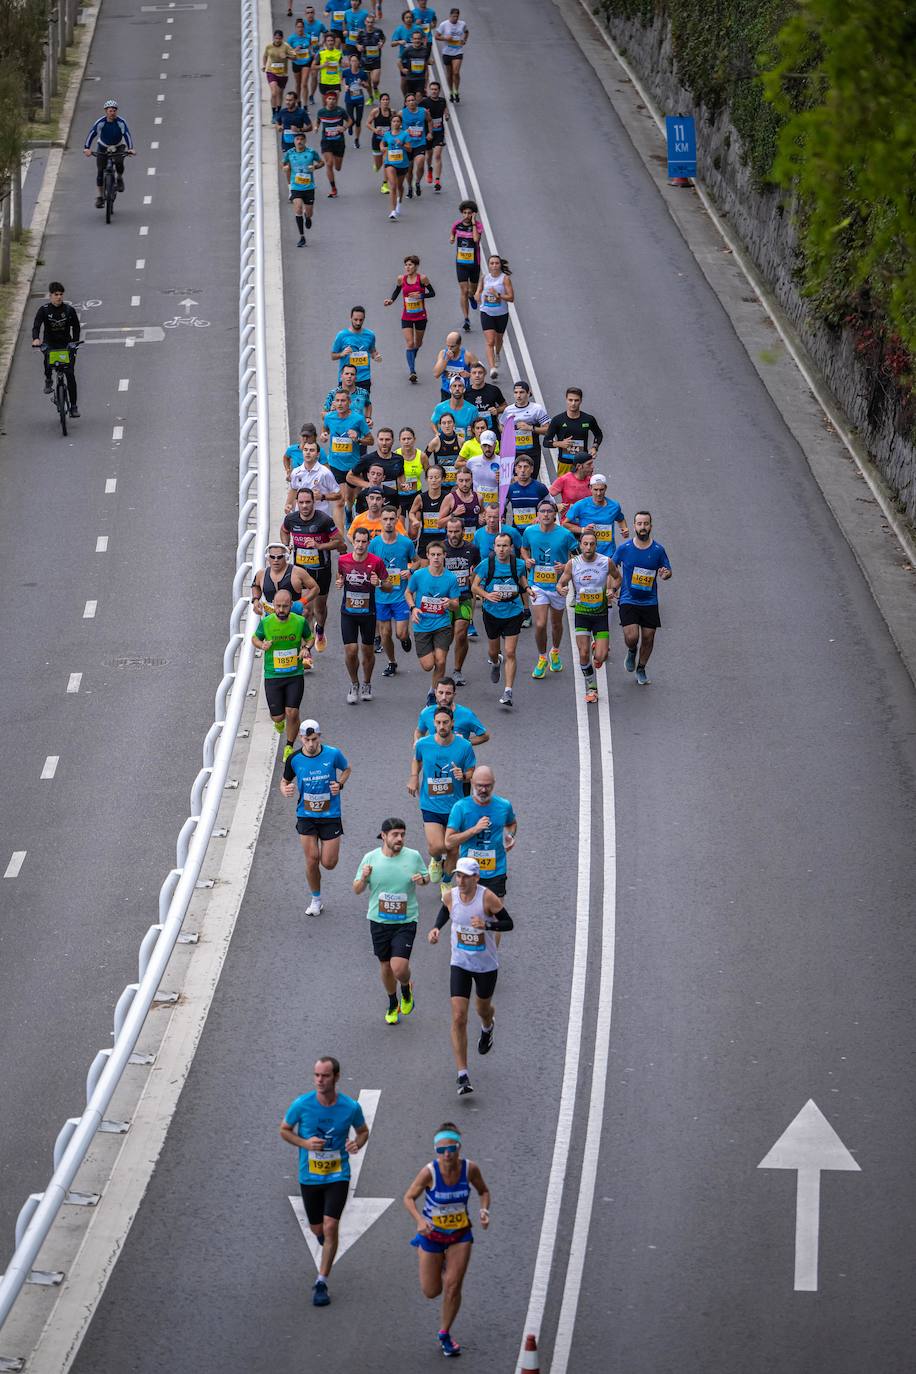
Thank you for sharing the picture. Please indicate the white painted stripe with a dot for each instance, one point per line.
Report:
(157, 119)
(111, 485)
(166, 56)
(160, 97)
(129, 341)
(73, 682)
(50, 767)
(147, 200)
(135, 300)
(15, 863)
(89, 610)
(144, 230)
(168, 36)
(150, 171)
(117, 434)
(154, 145)
(140, 264)
(163, 76)
(101, 544)
(123, 383)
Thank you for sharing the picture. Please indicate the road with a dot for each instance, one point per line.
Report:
(764, 820)
(99, 837)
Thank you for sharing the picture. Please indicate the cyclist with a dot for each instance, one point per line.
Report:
(111, 135)
(57, 325)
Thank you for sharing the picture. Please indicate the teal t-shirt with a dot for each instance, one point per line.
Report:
(308, 1117)
(396, 557)
(392, 892)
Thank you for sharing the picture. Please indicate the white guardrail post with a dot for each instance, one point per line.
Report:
(40, 1209)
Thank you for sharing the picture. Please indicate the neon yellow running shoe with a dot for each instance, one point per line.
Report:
(556, 662)
(406, 1004)
(540, 668)
(435, 870)
(279, 726)
(391, 1015)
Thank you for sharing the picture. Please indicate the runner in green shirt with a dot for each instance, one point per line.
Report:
(284, 638)
(391, 875)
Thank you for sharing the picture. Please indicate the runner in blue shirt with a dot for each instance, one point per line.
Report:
(417, 127)
(433, 595)
(357, 393)
(466, 723)
(643, 563)
(426, 19)
(598, 514)
(314, 30)
(354, 27)
(292, 116)
(546, 549)
(442, 764)
(525, 494)
(316, 774)
(299, 165)
(485, 537)
(298, 40)
(345, 433)
(399, 555)
(400, 39)
(318, 1124)
(501, 583)
(357, 346)
(462, 412)
(482, 826)
(395, 147)
(356, 84)
(336, 10)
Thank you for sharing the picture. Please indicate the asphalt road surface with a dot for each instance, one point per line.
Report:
(764, 822)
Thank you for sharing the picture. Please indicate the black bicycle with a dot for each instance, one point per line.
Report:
(109, 186)
(60, 360)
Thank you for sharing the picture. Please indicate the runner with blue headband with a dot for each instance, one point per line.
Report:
(444, 1235)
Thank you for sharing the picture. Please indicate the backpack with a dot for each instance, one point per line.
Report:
(491, 571)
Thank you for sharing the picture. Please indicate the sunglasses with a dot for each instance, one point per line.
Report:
(446, 1149)
(276, 557)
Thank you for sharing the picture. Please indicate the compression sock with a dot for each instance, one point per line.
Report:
(588, 672)
(411, 360)
(300, 223)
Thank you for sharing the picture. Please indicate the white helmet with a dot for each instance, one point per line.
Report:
(110, 105)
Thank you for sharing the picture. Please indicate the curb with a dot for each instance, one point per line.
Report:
(46, 195)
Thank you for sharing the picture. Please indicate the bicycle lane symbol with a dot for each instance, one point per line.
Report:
(177, 320)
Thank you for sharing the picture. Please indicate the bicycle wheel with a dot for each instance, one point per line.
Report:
(109, 202)
(63, 402)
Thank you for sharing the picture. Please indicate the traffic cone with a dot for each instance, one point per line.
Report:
(531, 1362)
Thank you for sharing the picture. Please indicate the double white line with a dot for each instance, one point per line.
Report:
(587, 814)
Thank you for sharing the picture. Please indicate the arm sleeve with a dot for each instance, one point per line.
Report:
(430, 290)
(500, 920)
(289, 773)
(443, 918)
(551, 433)
(597, 431)
(396, 291)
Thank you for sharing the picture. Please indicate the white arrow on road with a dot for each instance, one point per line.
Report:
(360, 1212)
(187, 305)
(808, 1144)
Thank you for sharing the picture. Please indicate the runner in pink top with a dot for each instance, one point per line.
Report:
(466, 234)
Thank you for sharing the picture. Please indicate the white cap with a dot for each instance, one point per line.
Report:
(470, 867)
(310, 727)
(488, 437)
(597, 481)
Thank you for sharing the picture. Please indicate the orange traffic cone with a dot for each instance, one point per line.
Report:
(531, 1362)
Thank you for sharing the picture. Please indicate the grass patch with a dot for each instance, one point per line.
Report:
(20, 265)
(36, 130)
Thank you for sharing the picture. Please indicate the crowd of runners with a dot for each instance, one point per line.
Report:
(467, 542)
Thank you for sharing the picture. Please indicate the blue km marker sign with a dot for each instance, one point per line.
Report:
(682, 145)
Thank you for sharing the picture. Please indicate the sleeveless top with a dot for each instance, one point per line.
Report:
(494, 284)
(412, 479)
(472, 949)
(454, 367)
(269, 587)
(413, 312)
(445, 1205)
(431, 527)
(445, 455)
(468, 508)
(590, 582)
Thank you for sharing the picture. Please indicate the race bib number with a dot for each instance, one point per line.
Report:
(524, 517)
(357, 602)
(397, 157)
(643, 578)
(545, 577)
(470, 939)
(448, 474)
(449, 1219)
(438, 787)
(339, 16)
(372, 52)
(324, 1162)
(576, 446)
(433, 605)
(430, 521)
(506, 591)
(418, 65)
(304, 179)
(392, 904)
(469, 533)
(489, 498)
(465, 254)
(307, 558)
(591, 599)
(486, 858)
(341, 445)
(604, 534)
(523, 439)
(278, 68)
(285, 660)
(413, 305)
(316, 802)
(394, 577)
(358, 359)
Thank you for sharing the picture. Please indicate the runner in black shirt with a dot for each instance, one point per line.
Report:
(574, 432)
(435, 102)
(486, 396)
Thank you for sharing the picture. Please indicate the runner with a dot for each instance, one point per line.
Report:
(574, 432)
(417, 128)
(275, 66)
(372, 45)
(501, 583)
(436, 107)
(333, 123)
(482, 826)
(317, 477)
(299, 164)
(531, 421)
(463, 500)
(596, 513)
(546, 549)
(525, 494)
(345, 434)
(313, 536)
(400, 39)
(277, 574)
(459, 561)
(336, 10)
(594, 578)
(476, 914)
(486, 396)
(453, 34)
(410, 481)
(329, 61)
(444, 1230)
(425, 517)
(298, 40)
(371, 521)
(444, 447)
(318, 1124)
(375, 481)
(466, 234)
(316, 773)
(395, 146)
(412, 64)
(354, 29)
(426, 19)
(356, 347)
(484, 469)
(485, 537)
(382, 457)
(442, 764)
(315, 31)
(358, 575)
(392, 875)
(466, 723)
(281, 636)
(463, 413)
(399, 555)
(293, 117)
(471, 447)
(454, 360)
(493, 294)
(356, 87)
(356, 393)
(575, 485)
(432, 595)
(417, 289)
(378, 123)
(642, 561)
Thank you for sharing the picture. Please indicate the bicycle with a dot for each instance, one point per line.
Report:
(109, 186)
(60, 359)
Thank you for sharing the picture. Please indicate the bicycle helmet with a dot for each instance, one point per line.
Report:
(110, 105)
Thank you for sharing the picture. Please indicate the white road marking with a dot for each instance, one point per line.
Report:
(150, 171)
(166, 56)
(101, 544)
(129, 341)
(124, 383)
(117, 434)
(140, 264)
(147, 200)
(15, 863)
(135, 300)
(160, 97)
(111, 485)
(154, 145)
(144, 230)
(163, 76)
(89, 610)
(73, 682)
(168, 36)
(50, 767)
(158, 119)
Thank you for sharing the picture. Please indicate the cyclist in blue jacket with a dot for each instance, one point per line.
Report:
(111, 135)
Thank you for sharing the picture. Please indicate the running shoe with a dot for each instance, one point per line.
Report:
(413, 378)
(74, 413)
(459, 678)
(320, 1295)
(48, 387)
(467, 325)
(506, 698)
(494, 668)
(494, 373)
(315, 907)
(366, 691)
(485, 1039)
(397, 210)
(279, 726)
(556, 662)
(447, 1345)
(630, 661)
(307, 664)
(321, 642)
(288, 750)
(457, 97)
(406, 1004)
(641, 679)
(389, 670)
(377, 644)
(472, 631)
(353, 695)
(438, 187)
(301, 243)
(410, 190)
(120, 181)
(384, 188)
(332, 194)
(391, 1016)
(540, 668)
(99, 202)
(591, 696)
(464, 1085)
(407, 644)
(435, 870)
(429, 176)
(393, 214)
(526, 622)
(419, 188)
(356, 141)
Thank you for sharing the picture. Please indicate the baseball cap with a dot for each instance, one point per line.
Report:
(310, 727)
(392, 823)
(488, 437)
(468, 866)
(599, 480)
(374, 491)
(521, 382)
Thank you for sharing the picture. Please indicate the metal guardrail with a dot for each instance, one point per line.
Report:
(77, 1133)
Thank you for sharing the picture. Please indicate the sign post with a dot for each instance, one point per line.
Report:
(682, 148)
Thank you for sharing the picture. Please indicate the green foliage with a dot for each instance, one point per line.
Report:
(841, 74)
(22, 28)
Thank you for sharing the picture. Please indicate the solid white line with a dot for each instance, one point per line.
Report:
(166, 56)
(89, 610)
(50, 767)
(123, 383)
(73, 682)
(140, 264)
(15, 863)
(144, 230)
(117, 434)
(101, 544)
(111, 485)
(135, 300)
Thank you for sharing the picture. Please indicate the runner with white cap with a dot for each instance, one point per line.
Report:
(598, 514)
(476, 914)
(484, 469)
(316, 773)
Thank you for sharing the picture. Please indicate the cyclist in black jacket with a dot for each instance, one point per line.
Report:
(58, 321)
